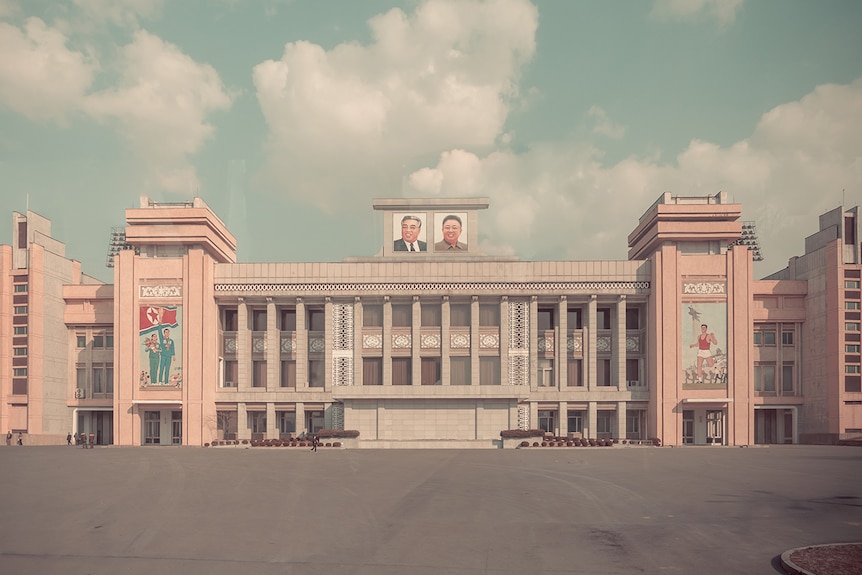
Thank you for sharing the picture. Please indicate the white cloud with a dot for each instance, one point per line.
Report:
(40, 77)
(160, 107)
(723, 11)
(347, 120)
(603, 125)
(560, 201)
(121, 13)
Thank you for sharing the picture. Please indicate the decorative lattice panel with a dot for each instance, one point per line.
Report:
(372, 341)
(633, 343)
(337, 412)
(402, 341)
(545, 343)
(342, 326)
(524, 417)
(519, 369)
(430, 341)
(288, 344)
(342, 369)
(459, 340)
(450, 287)
(489, 341)
(519, 325)
(603, 344)
(575, 344)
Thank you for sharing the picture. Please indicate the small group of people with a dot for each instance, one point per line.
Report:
(9, 438)
(160, 347)
(411, 226)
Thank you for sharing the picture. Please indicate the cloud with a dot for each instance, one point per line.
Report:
(603, 125)
(40, 77)
(121, 13)
(346, 121)
(560, 201)
(723, 11)
(160, 107)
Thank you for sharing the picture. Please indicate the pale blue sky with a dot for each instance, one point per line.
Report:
(571, 116)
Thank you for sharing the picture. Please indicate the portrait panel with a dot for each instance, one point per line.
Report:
(409, 232)
(161, 344)
(704, 345)
(450, 232)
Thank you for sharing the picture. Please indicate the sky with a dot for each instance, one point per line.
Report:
(289, 116)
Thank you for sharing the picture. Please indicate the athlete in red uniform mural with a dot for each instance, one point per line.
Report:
(704, 349)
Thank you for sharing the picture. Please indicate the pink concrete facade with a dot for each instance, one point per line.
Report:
(433, 349)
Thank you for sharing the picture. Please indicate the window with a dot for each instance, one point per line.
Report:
(764, 378)
(603, 318)
(19, 387)
(20, 330)
(98, 342)
(431, 315)
(605, 422)
(489, 371)
(316, 374)
(316, 320)
(847, 369)
(787, 379)
(545, 318)
(851, 348)
(851, 284)
(226, 424)
(459, 371)
(764, 336)
(20, 309)
(633, 372)
(109, 379)
(633, 318)
(459, 314)
(19, 351)
(258, 374)
(402, 371)
(574, 318)
(575, 421)
(286, 422)
(635, 423)
(258, 320)
(98, 378)
(230, 321)
(786, 338)
(372, 371)
(852, 383)
(287, 320)
(402, 315)
(288, 373)
(19, 372)
(851, 326)
(82, 341)
(430, 371)
(20, 288)
(372, 315)
(231, 373)
(545, 375)
(574, 373)
(489, 315)
(603, 372)
(81, 378)
(547, 420)
(176, 427)
(109, 340)
(152, 428)
(769, 338)
(851, 305)
(257, 421)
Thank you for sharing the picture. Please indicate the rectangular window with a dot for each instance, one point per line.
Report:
(81, 379)
(20, 310)
(372, 315)
(288, 373)
(786, 338)
(257, 421)
(459, 314)
(152, 428)
(230, 319)
(19, 387)
(98, 342)
(402, 315)
(226, 424)
(574, 318)
(768, 338)
(19, 372)
(851, 326)
(603, 372)
(20, 288)
(603, 318)
(787, 379)
(634, 424)
(431, 315)
(316, 320)
(81, 341)
(847, 369)
(575, 420)
(851, 305)
(489, 315)
(764, 378)
(545, 373)
(547, 421)
(287, 319)
(316, 373)
(109, 379)
(109, 340)
(574, 373)
(852, 383)
(19, 351)
(633, 372)
(286, 423)
(231, 373)
(605, 422)
(258, 320)
(98, 378)
(430, 371)
(489, 371)
(852, 348)
(545, 318)
(851, 284)
(402, 373)
(459, 371)
(633, 318)
(258, 374)
(372, 371)
(758, 339)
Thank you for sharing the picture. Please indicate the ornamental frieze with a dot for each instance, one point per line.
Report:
(161, 291)
(704, 288)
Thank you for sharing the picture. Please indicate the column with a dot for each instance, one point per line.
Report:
(562, 350)
(592, 418)
(563, 414)
(475, 366)
(301, 346)
(590, 351)
(504, 343)
(618, 353)
(328, 339)
(242, 430)
(358, 321)
(621, 420)
(445, 337)
(273, 349)
(271, 423)
(534, 345)
(415, 342)
(300, 418)
(387, 341)
(243, 347)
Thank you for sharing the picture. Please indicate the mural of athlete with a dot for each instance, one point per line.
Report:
(704, 345)
(167, 353)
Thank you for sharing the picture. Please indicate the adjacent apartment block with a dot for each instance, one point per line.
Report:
(430, 342)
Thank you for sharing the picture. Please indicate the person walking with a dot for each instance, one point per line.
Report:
(69, 438)
(20, 438)
(9, 438)
(314, 441)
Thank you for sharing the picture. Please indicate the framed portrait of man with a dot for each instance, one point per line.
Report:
(449, 228)
(409, 232)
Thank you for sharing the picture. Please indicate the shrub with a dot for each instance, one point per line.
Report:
(525, 444)
(332, 433)
(336, 444)
(522, 433)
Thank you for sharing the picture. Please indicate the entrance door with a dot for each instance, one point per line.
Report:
(688, 427)
(715, 427)
(152, 428)
(176, 427)
(314, 421)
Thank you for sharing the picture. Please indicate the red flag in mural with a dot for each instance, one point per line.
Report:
(154, 316)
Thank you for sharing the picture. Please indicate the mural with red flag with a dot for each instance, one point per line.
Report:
(161, 346)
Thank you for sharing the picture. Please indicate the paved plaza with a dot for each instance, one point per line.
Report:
(241, 510)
